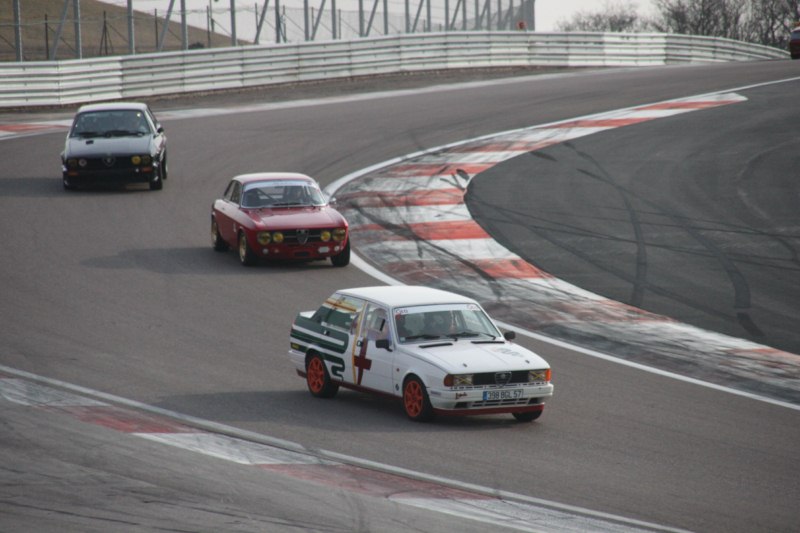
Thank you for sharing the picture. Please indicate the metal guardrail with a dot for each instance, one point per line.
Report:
(69, 82)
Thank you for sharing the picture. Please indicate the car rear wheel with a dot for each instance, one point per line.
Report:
(415, 400)
(216, 239)
(343, 259)
(527, 416)
(317, 378)
(246, 255)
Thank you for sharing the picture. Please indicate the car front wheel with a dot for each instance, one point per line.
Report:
(164, 168)
(246, 254)
(317, 378)
(343, 259)
(415, 400)
(527, 416)
(158, 183)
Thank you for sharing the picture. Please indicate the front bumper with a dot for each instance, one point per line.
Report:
(308, 251)
(471, 401)
(109, 176)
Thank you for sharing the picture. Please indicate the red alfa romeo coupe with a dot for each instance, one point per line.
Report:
(279, 216)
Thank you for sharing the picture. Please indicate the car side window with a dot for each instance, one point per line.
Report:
(234, 192)
(153, 119)
(342, 314)
(228, 190)
(377, 323)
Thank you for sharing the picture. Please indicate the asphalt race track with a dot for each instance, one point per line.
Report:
(119, 292)
(693, 217)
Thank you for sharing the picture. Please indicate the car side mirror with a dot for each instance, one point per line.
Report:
(509, 335)
(383, 343)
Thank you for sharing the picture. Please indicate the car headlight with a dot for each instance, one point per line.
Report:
(82, 162)
(72, 163)
(325, 235)
(339, 234)
(458, 380)
(277, 237)
(539, 376)
(136, 160)
(263, 238)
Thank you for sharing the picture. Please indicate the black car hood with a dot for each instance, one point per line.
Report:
(99, 146)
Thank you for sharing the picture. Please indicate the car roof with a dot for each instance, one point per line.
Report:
(272, 176)
(406, 295)
(113, 106)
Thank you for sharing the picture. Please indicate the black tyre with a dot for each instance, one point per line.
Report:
(527, 416)
(164, 169)
(158, 183)
(217, 241)
(343, 259)
(415, 400)
(246, 255)
(317, 378)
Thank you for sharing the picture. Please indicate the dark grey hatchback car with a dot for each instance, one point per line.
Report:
(115, 144)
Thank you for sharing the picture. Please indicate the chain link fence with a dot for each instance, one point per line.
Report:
(38, 30)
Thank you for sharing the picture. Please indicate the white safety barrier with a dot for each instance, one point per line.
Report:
(56, 83)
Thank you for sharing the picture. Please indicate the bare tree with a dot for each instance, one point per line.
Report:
(716, 18)
(613, 17)
(771, 21)
(766, 22)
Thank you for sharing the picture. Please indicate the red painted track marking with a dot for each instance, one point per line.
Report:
(602, 123)
(499, 146)
(448, 230)
(124, 420)
(417, 272)
(687, 105)
(431, 231)
(451, 196)
(26, 128)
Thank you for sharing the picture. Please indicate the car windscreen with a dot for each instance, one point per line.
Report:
(278, 194)
(114, 123)
(454, 321)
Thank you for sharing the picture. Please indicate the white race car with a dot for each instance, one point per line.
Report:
(439, 351)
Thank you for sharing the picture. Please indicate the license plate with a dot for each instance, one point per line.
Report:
(511, 394)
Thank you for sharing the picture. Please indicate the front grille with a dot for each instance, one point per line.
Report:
(294, 237)
(115, 163)
(503, 403)
(489, 378)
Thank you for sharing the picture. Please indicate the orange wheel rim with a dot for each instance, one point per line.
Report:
(413, 398)
(315, 375)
